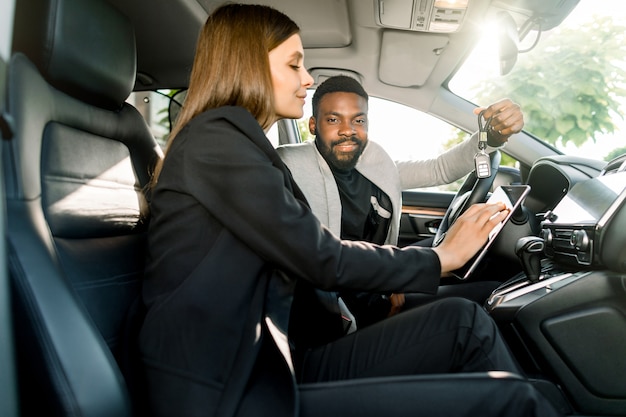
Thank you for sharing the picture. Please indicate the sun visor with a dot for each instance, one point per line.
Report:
(407, 59)
(318, 28)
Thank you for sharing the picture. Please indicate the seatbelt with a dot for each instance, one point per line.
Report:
(347, 316)
(6, 126)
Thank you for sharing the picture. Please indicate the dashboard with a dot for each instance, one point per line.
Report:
(560, 321)
(586, 227)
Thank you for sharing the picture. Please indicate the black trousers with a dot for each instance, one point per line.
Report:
(458, 395)
(447, 335)
(450, 335)
(369, 308)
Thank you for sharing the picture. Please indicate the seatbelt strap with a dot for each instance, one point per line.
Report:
(6, 126)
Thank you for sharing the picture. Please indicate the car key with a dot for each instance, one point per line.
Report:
(481, 159)
(482, 139)
(483, 164)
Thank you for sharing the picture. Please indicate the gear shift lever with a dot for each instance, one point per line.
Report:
(529, 249)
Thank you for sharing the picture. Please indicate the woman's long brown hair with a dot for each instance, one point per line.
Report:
(231, 66)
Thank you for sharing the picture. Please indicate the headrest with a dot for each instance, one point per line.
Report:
(85, 48)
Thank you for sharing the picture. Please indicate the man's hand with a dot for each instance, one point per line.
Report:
(507, 120)
(468, 234)
(397, 302)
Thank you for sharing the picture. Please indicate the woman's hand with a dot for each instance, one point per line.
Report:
(468, 234)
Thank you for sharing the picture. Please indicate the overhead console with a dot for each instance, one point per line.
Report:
(448, 16)
(441, 16)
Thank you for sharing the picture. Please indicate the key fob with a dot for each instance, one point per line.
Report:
(482, 139)
(483, 165)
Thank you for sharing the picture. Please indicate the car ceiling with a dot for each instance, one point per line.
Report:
(338, 36)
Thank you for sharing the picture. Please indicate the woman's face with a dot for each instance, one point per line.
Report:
(289, 78)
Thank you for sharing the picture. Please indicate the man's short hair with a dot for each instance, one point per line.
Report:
(337, 84)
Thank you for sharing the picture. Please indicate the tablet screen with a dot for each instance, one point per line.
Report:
(512, 196)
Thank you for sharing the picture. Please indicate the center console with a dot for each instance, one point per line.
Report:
(565, 316)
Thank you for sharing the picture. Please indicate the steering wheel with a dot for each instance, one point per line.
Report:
(474, 190)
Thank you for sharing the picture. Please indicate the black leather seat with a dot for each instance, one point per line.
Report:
(75, 174)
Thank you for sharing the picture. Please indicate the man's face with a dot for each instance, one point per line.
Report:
(340, 128)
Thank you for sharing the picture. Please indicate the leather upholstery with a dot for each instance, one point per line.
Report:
(75, 174)
(91, 59)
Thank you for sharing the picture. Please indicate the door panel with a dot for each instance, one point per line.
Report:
(422, 212)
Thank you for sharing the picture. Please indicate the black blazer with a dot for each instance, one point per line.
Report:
(230, 235)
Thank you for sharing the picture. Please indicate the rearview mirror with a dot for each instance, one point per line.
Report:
(508, 39)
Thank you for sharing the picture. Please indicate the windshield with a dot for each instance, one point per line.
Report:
(570, 85)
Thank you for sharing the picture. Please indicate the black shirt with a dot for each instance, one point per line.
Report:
(365, 215)
(365, 208)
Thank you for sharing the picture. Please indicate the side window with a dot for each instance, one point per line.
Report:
(154, 106)
(405, 133)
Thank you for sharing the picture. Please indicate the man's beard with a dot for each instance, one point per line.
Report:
(344, 162)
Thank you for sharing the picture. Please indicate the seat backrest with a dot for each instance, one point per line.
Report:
(75, 174)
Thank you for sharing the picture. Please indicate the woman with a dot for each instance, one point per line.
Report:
(231, 239)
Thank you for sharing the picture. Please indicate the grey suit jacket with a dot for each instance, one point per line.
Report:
(315, 179)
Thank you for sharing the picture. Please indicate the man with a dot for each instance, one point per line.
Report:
(355, 188)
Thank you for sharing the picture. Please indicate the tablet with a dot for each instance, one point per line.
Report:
(512, 196)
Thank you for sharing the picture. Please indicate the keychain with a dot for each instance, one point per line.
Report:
(481, 159)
